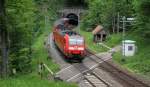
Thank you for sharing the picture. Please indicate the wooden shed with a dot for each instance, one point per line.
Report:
(99, 34)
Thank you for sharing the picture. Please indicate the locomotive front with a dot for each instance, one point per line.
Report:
(76, 46)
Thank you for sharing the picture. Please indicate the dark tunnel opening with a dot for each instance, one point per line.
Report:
(73, 19)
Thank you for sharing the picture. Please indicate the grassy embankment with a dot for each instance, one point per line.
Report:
(140, 63)
(33, 79)
(111, 41)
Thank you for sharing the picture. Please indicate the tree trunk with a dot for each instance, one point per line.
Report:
(114, 24)
(118, 21)
(4, 39)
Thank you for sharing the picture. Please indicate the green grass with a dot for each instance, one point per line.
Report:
(41, 55)
(111, 41)
(33, 79)
(140, 62)
(90, 44)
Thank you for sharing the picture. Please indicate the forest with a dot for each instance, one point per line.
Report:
(107, 10)
(107, 13)
(22, 21)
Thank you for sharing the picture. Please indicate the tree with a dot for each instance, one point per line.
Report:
(21, 15)
(26, 22)
(3, 38)
(142, 12)
(104, 11)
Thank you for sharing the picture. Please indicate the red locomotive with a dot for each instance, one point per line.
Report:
(70, 43)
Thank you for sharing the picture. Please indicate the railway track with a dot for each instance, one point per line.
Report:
(90, 78)
(121, 76)
(95, 81)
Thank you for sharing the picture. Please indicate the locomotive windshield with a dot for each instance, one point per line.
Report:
(80, 41)
(72, 41)
(76, 41)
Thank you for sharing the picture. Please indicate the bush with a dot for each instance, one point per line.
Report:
(20, 61)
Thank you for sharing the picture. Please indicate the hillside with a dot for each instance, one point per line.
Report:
(110, 15)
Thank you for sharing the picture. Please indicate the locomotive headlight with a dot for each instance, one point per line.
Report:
(80, 48)
(76, 48)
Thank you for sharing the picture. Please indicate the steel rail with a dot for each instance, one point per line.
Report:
(89, 52)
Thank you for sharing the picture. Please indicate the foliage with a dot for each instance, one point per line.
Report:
(90, 44)
(93, 16)
(103, 11)
(40, 54)
(46, 10)
(75, 3)
(20, 61)
(142, 8)
(113, 40)
(26, 20)
(32, 80)
(20, 23)
(140, 62)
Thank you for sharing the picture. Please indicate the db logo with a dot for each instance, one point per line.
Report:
(76, 47)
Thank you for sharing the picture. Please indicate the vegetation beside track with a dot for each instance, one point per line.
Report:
(40, 27)
(140, 63)
(89, 42)
(33, 79)
(40, 54)
(106, 13)
(111, 41)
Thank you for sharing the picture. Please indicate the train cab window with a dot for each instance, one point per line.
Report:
(76, 41)
(72, 42)
(62, 33)
(80, 42)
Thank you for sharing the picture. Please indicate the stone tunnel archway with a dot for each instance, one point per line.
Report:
(66, 11)
(74, 13)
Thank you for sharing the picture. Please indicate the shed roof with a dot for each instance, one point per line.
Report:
(98, 28)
